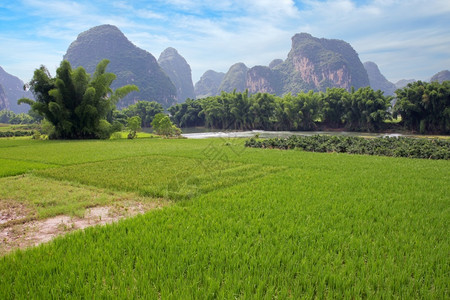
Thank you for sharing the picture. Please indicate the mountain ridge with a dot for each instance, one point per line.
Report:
(377, 80)
(131, 64)
(179, 72)
(13, 89)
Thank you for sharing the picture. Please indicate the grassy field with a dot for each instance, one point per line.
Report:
(245, 223)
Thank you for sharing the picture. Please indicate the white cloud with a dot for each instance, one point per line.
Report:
(23, 57)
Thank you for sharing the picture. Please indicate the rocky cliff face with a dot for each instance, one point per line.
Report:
(13, 90)
(312, 64)
(235, 78)
(179, 72)
(441, 76)
(275, 63)
(4, 104)
(261, 79)
(131, 64)
(317, 64)
(209, 83)
(377, 80)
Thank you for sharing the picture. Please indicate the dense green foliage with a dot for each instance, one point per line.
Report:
(361, 110)
(13, 133)
(425, 107)
(133, 125)
(77, 104)
(7, 130)
(398, 147)
(143, 109)
(163, 126)
(294, 225)
(9, 117)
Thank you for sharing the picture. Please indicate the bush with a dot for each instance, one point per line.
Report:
(383, 146)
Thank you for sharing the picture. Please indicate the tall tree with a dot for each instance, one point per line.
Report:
(74, 102)
(366, 109)
(332, 105)
(145, 110)
(424, 107)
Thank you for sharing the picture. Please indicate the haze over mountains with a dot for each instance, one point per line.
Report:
(179, 71)
(311, 64)
(4, 103)
(377, 80)
(12, 88)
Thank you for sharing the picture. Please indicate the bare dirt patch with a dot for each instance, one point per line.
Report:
(12, 212)
(27, 234)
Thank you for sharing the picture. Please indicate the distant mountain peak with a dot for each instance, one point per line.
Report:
(312, 64)
(179, 72)
(131, 64)
(235, 78)
(403, 82)
(4, 103)
(209, 83)
(377, 80)
(169, 51)
(441, 76)
(276, 62)
(13, 91)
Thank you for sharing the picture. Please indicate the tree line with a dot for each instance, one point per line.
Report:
(360, 110)
(423, 107)
(9, 117)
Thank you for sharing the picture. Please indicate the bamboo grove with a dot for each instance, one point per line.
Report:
(423, 107)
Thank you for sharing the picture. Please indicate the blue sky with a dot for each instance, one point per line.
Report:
(407, 39)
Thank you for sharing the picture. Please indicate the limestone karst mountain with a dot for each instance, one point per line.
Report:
(261, 79)
(276, 62)
(317, 64)
(312, 64)
(403, 82)
(13, 91)
(179, 72)
(4, 103)
(441, 76)
(235, 78)
(209, 83)
(377, 80)
(131, 64)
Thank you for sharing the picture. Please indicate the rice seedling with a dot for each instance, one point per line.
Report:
(159, 176)
(260, 223)
(10, 167)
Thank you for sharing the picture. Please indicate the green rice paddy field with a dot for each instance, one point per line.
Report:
(243, 223)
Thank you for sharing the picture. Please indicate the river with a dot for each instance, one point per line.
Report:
(191, 134)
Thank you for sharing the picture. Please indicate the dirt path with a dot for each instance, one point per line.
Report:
(33, 233)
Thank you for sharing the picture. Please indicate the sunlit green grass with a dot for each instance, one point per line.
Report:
(43, 198)
(11, 167)
(160, 176)
(249, 223)
(139, 135)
